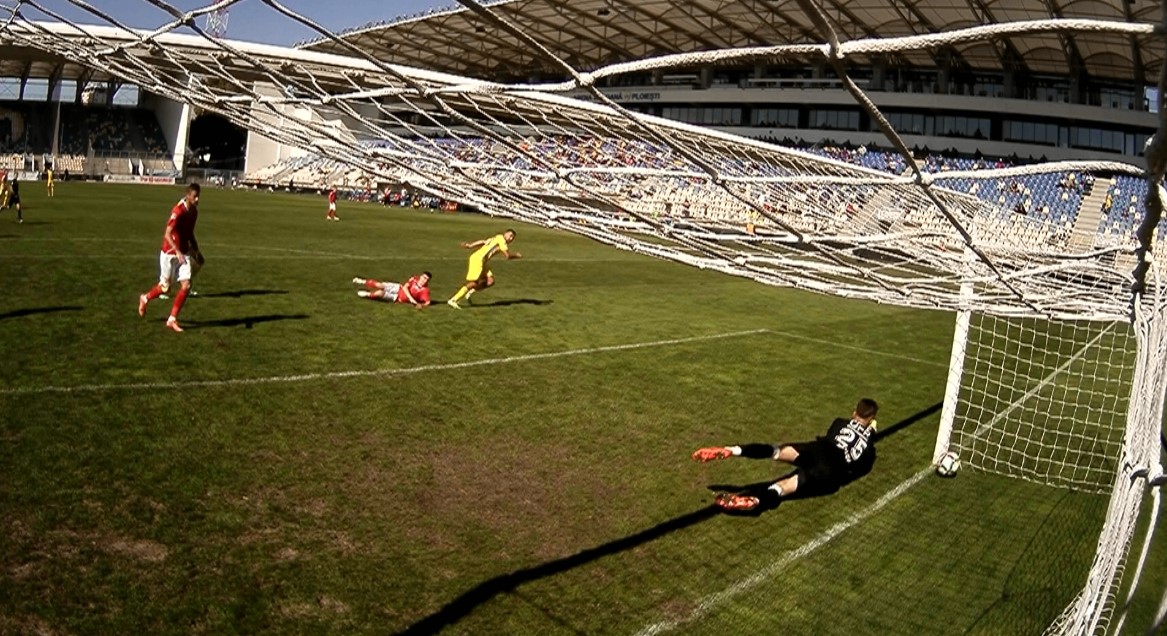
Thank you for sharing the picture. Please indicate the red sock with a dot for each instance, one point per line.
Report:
(179, 298)
(154, 292)
(372, 284)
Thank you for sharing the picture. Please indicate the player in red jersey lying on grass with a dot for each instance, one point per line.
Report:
(415, 291)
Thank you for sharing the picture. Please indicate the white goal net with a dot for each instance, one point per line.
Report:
(1058, 365)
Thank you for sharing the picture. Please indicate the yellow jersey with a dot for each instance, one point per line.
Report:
(49, 176)
(493, 246)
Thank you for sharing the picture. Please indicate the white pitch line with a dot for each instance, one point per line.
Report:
(140, 257)
(280, 379)
(292, 250)
(710, 602)
(840, 345)
(301, 253)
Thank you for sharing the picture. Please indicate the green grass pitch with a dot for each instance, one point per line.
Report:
(304, 461)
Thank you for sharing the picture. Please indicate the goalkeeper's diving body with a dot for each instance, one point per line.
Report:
(822, 466)
(478, 275)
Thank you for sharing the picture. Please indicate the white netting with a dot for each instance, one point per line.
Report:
(637, 182)
(217, 20)
(1045, 400)
(1137, 464)
(1047, 254)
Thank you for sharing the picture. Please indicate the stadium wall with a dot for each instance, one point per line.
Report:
(262, 151)
(175, 118)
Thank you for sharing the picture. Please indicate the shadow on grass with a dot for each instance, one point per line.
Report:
(246, 321)
(508, 303)
(908, 421)
(462, 606)
(244, 292)
(469, 600)
(27, 222)
(18, 313)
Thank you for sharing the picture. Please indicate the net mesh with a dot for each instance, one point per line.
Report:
(641, 183)
(1046, 400)
(1059, 387)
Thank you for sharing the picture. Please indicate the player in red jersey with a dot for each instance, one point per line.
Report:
(415, 291)
(332, 206)
(180, 254)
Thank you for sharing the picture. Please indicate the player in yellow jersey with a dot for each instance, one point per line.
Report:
(478, 275)
(5, 191)
(49, 181)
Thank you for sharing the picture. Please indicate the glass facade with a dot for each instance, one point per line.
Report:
(774, 117)
(833, 119)
(704, 115)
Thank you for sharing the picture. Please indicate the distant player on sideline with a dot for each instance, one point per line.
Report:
(179, 249)
(823, 465)
(331, 216)
(415, 291)
(478, 276)
(49, 181)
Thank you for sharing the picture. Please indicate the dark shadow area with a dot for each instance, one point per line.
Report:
(243, 292)
(27, 222)
(18, 313)
(246, 321)
(469, 600)
(1163, 440)
(508, 303)
(4, 237)
(462, 606)
(908, 421)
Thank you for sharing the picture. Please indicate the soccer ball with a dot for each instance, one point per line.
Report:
(948, 465)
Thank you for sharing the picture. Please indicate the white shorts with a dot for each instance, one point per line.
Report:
(169, 269)
(391, 291)
(331, 207)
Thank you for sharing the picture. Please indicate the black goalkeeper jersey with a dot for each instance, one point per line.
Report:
(849, 448)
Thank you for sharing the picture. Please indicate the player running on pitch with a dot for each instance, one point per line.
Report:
(478, 275)
(844, 454)
(331, 216)
(179, 249)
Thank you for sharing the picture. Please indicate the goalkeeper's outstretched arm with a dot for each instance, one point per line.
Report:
(749, 451)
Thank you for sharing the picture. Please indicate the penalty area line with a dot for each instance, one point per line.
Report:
(710, 602)
(304, 377)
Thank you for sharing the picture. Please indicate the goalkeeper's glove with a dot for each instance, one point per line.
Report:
(196, 260)
(711, 453)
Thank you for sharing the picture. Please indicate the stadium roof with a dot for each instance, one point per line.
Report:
(592, 33)
(29, 62)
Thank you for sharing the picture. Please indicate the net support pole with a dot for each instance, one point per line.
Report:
(955, 365)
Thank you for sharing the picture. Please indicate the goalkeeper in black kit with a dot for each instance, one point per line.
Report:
(844, 454)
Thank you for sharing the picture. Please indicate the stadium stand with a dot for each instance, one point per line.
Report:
(92, 139)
